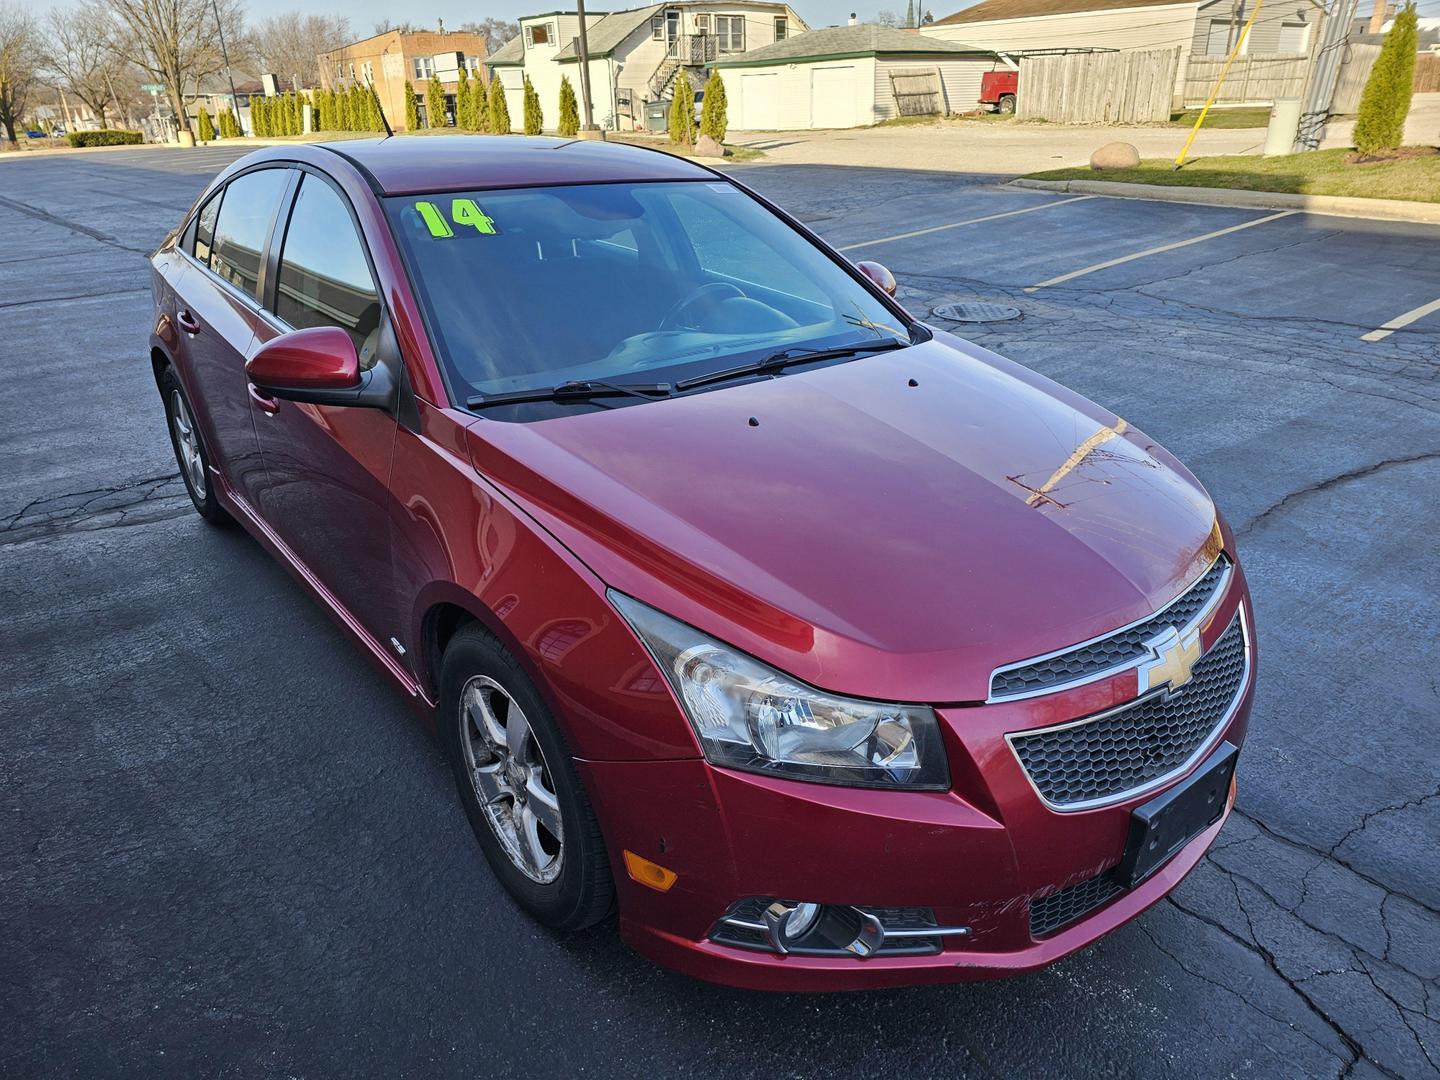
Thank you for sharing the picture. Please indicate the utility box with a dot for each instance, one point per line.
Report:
(657, 115)
(1283, 126)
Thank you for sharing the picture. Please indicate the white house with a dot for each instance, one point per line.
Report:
(635, 55)
(851, 76)
(1202, 29)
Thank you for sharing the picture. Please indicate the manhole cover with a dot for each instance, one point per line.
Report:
(973, 313)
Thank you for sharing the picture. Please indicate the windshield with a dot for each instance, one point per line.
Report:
(628, 283)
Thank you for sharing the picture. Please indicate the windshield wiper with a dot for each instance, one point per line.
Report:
(578, 390)
(785, 357)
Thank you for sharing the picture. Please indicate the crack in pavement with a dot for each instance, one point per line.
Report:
(1365, 819)
(74, 226)
(1356, 1049)
(98, 508)
(1195, 973)
(1332, 482)
(1301, 845)
(81, 296)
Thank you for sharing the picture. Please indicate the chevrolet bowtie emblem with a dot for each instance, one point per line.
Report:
(1172, 660)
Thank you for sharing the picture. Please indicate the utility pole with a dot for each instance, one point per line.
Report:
(587, 116)
(123, 115)
(1324, 73)
(225, 55)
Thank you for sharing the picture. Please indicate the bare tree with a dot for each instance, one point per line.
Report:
(887, 18)
(384, 26)
(290, 45)
(176, 42)
(18, 61)
(497, 31)
(80, 57)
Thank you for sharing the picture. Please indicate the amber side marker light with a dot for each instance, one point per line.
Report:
(648, 873)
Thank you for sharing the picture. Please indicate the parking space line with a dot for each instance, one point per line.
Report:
(968, 221)
(1158, 250)
(1401, 321)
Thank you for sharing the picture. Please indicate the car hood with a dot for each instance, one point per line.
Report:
(893, 527)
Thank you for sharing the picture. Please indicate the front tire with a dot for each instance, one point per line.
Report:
(519, 786)
(190, 452)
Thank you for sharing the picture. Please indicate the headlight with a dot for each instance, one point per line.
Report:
(750, 716)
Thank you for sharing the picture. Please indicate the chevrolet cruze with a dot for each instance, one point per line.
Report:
(831, 649)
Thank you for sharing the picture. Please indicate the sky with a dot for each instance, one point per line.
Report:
(365, 13)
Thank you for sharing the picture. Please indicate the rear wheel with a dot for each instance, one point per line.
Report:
(190, 452)
(519, 786)
(1007, 105)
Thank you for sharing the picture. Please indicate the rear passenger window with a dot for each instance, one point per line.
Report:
(324, 278)
(205, 228)
(245, 215)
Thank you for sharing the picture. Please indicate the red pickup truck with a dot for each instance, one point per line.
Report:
(997, 90)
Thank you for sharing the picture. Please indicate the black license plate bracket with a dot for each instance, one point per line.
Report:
(1164, 825)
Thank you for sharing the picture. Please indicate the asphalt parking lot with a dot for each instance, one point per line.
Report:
(227, 849)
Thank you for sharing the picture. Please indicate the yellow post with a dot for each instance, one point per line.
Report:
(1239, 44)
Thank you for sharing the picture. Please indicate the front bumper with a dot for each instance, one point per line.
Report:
(977, 855)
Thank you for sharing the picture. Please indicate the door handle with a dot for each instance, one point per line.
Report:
(262, 401)
(187, 322)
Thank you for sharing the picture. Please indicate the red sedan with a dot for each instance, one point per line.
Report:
(834, 650)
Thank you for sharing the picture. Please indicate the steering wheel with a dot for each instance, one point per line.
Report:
(716, 289)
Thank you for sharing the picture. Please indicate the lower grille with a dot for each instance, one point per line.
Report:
(1050, 913)
(1113, 755)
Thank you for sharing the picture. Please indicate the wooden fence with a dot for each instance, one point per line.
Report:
(1099, 88)
(1427, 73)
(917, 93)
(1350, 84)
(1252, 80)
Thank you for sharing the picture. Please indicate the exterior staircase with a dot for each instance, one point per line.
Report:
(664, 77)
(690, 53)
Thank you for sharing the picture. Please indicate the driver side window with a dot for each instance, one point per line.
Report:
(324, 278)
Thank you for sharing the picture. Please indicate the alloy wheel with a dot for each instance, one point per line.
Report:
(514, 785)
(187, 441)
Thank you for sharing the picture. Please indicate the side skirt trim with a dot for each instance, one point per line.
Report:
(268, 538)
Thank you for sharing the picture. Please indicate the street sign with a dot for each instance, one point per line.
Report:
(152, 88)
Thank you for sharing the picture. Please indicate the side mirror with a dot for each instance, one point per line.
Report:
(879, 275)
(318, 365)
(317, 358)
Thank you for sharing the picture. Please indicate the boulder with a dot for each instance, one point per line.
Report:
(705, 146)
(1115, 155)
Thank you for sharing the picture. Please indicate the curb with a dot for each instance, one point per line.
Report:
(1334, 205)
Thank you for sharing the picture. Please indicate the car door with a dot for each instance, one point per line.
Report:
(218, 312)
(327, 468)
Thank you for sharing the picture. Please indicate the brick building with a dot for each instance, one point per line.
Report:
(389, 59)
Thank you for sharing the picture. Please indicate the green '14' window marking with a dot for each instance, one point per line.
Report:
(463, 212)
(437, 225)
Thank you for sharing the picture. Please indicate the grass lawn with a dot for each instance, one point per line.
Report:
(951, 118)
(1321, 172)
(1223, 118)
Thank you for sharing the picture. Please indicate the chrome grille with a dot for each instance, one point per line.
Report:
(1114, 651)
(1050, 913)
(1121, 752)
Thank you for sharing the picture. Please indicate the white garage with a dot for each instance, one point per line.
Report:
(851, 76)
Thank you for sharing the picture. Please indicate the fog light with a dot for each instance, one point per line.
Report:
(790, 927)
(786, 924)
(802, 920)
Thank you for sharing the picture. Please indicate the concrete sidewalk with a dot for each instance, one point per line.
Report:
(1013, 149)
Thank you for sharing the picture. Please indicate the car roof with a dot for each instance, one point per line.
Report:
(411, 165)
